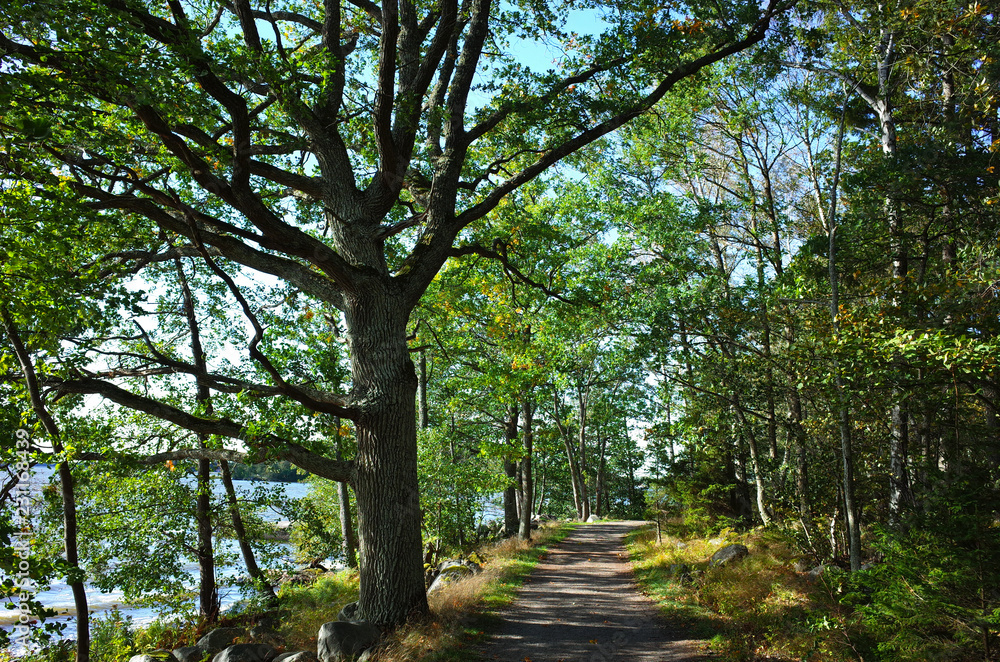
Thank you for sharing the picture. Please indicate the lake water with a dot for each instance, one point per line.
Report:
(60, 597)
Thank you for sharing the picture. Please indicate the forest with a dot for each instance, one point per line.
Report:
(732, 266)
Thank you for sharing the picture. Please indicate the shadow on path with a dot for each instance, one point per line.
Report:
(581, 605)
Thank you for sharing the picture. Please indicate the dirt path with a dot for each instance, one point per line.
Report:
(581, 605)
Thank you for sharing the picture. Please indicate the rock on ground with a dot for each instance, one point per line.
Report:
(189, 654)
(728, 554)
(218, 639)
(339, 640)
(449, 571)
(300, 656)
(349, 612)
(246, 653)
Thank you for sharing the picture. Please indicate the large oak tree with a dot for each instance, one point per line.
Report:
(339, 146)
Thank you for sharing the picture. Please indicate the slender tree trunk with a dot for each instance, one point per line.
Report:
(798, 443)
(384, 384)
(899, 482)
(66, 486)
(991, 398)
(510, 511)
(583, 401)
(208, 590)
(756, 465)
(249, 559)
(846, 452)
(843, 411)
(527, 486)
(600, 496)
(579, 494)
(422, 390)
(540, 497)
(348, 536)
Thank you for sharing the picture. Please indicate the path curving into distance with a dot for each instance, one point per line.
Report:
(581, 604)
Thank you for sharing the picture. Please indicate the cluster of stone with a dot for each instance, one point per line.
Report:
(347, 639)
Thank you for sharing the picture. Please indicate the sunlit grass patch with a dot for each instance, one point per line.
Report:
(308, 607)
(755, 609)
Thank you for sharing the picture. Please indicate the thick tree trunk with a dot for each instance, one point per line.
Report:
(527, 484)
(422, 386)
(385, 388)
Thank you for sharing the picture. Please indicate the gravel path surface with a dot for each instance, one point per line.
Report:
(581, 605)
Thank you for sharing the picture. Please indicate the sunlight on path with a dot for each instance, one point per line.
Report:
(581, 604)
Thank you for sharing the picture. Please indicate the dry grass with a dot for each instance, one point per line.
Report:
(462, 610)
(758, 609)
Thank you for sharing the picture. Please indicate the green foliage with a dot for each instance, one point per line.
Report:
(112, 637)
(281, 471)
(456, 481)
(316, 532)
(312, 605)
(933, 592)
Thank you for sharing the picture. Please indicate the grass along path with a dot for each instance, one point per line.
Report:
(757, 609)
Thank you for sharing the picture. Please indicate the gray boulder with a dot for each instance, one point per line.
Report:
(246, 653)
(728, 554)
(218, 639)
(343, 640)
(592, 518)
(300, 656)
(145, 657)
(449, 571)
(349, 612)
(189, 654)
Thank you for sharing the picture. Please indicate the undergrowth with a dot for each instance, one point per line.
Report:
(757, 609)
(460, 613)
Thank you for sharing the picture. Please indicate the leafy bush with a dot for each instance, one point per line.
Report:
(112, 637)
(935, 595)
